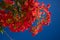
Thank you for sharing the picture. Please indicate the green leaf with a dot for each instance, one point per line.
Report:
(2, 4)
(22, 2)
(0, 7)
(1, 30)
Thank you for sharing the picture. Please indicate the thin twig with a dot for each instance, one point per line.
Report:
(8, 35)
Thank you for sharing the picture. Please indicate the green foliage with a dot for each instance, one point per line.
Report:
(1, 30)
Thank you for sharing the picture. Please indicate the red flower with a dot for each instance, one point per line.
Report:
(10, 2)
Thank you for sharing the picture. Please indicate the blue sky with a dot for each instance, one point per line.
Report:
(51, 32)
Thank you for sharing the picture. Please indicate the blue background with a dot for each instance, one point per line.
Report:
(51, 32)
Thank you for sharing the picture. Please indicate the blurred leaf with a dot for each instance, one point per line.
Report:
(2, 4)
(22, 2)
(1, 29)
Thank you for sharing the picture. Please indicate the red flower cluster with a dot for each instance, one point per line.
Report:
(23, 18)
(9, 2)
